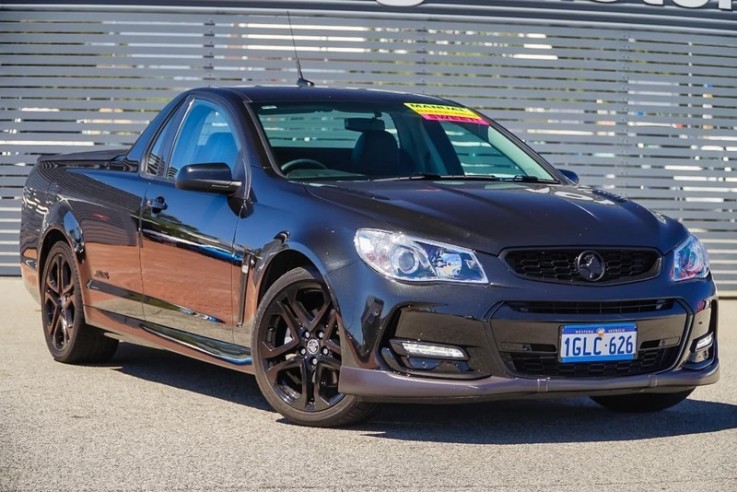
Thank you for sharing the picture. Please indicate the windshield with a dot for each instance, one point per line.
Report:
(359, 141)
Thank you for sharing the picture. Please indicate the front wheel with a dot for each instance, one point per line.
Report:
(641, 402)
(297, 353)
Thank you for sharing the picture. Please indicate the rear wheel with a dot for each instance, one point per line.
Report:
(641, 402)
(297, 354)
(68, 337)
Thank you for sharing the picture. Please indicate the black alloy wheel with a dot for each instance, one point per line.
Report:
(297, 353)
(68, 338)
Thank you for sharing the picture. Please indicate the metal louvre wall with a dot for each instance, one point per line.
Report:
(646, 112)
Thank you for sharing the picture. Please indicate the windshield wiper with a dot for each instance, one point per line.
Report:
(521, 178)
(440, 177)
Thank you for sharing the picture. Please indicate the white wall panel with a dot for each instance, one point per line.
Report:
(645, 109)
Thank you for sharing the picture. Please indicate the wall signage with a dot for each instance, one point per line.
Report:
(689, 4)
(400, 3)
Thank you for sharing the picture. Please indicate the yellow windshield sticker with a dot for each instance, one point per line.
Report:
(440, 112)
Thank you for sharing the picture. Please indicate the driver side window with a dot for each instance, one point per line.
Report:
(206, 136)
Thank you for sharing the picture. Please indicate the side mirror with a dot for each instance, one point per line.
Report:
(570, 175)
(214, 177)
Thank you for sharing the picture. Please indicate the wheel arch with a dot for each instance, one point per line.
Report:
(62, 225)
(280, 263)
(288, 256)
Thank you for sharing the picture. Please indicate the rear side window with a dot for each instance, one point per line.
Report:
(156, 159)
(206, 136)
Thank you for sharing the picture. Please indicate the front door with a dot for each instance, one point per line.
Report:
(187, 236)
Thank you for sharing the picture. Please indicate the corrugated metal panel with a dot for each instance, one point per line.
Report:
(643, 110)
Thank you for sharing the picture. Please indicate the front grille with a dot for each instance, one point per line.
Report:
(548, 365)
(559, 265)
(576, 307)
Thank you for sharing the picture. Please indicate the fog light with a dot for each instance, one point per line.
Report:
(702, 351)
(704, 342)
(430, 350)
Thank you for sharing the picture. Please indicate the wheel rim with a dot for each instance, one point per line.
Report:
(59, 302)
(300, 347)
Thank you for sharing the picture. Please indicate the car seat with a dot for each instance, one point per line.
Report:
(376, 153)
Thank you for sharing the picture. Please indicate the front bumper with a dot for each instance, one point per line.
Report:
(510, 332)
(388, 386)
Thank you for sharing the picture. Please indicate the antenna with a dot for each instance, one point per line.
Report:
(301, 81)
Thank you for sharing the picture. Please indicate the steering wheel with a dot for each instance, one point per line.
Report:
(295, 164)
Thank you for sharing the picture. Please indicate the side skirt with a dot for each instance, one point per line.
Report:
(197, 347)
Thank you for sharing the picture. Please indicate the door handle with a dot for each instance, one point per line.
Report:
(157, 204)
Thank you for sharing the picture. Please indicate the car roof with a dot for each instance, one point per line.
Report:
(270, 94)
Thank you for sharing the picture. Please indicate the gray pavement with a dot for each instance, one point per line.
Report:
(151, 420)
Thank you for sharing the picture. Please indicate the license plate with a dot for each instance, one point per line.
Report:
(598, 342)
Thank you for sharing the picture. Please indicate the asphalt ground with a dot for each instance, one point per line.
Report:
(152, 420)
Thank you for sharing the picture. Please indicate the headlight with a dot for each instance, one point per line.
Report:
(418, 260)
(690, 260)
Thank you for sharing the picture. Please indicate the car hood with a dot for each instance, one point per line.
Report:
(491, 216)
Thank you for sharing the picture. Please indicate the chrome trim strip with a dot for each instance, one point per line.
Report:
(152, 301)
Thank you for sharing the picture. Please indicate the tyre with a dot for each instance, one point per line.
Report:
(297, 354)
(69, 338)
(641, 402)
